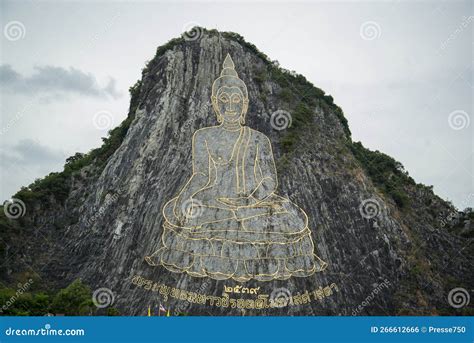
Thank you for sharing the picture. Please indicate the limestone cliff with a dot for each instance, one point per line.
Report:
(371, 223)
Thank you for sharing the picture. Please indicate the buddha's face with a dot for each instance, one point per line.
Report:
(230, 103)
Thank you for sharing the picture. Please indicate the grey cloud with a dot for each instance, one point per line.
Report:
(28, 152)
(23, 162)
(51, 80)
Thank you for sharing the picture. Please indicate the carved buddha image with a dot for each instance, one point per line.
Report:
(227, 222)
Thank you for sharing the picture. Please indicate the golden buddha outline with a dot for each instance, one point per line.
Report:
(227, 222)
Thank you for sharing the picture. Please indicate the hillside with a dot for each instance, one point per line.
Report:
(370, 221)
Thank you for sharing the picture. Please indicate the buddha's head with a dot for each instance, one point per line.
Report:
(229, 95)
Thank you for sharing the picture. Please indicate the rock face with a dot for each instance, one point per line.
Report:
(382, 260)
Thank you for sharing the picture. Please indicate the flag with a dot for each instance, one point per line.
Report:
(161, 309)
(168, 313)
(149, 312)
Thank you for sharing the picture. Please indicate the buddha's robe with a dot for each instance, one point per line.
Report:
(227, 222)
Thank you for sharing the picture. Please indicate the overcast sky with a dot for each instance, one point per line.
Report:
(401, 71)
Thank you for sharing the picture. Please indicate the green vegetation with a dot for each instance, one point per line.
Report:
(26, 304)
(260, 76)
(457, 226)
(297, 89)
(387, 174)
(301, 117)
(285, 95)
(238, 38)
(74, 300)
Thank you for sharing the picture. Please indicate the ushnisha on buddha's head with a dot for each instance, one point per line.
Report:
(229, 95)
